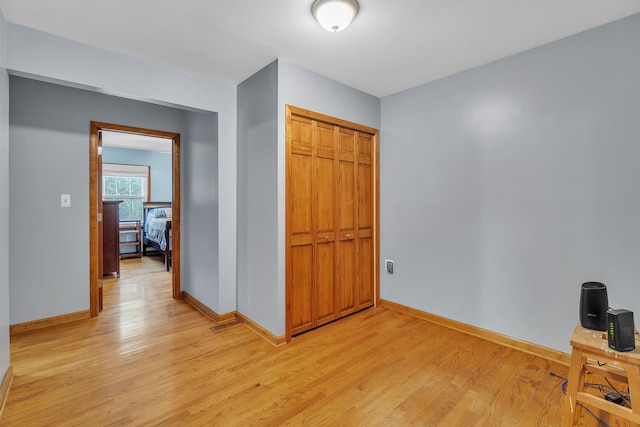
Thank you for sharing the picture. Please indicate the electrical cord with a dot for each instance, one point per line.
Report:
(625, 394)
(565, 381)
(602, 388)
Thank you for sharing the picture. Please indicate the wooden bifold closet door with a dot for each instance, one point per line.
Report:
(331, 219)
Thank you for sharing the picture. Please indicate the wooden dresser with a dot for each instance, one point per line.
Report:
(111, 238)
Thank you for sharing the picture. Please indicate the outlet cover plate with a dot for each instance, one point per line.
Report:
(389, 265)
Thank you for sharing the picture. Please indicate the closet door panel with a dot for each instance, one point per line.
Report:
(347, 276)
(325, 302)
(347, 190)
(326, 282)
(365, 197)
(301, 135)
(365, 181)
(301, 277)
(347, 222)
(300, 270)
(346, 144)
(364, 294)
(300, 202)
(326, 144)
(325, 200)
(366, 263)
(346, 197)
(365, 148)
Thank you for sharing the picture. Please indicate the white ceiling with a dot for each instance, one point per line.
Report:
(392, 44)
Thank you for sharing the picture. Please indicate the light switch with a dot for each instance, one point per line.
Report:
(65, 200)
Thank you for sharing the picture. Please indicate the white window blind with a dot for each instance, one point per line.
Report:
(131, 171)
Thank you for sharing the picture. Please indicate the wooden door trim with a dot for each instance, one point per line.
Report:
(94, 198)
(376, 219)
(292, 110)
(94, 253)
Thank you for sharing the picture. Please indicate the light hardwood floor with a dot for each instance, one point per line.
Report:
(151, 360)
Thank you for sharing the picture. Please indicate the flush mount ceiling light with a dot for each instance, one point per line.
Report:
(334, 15)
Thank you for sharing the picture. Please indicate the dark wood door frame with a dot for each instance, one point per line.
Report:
(95, 193)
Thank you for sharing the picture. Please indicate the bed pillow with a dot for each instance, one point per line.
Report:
(159, 213)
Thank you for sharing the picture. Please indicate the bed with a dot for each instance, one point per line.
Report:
(156, 229)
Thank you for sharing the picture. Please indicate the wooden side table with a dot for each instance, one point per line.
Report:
(591, 353)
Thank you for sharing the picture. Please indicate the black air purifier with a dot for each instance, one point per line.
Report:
(621, 330)
(594, 304)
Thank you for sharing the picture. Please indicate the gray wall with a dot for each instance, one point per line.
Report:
(305, 89)
(505, 187)
(302, 88)
(4, 204)
(257, 198)
(261, 175)
(49, 151)
(50, 58)
(502, 188)
(160, 167)
(200, 217)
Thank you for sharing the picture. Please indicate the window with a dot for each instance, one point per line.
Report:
(129, 183)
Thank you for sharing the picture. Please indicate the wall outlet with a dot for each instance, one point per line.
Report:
(389, 265)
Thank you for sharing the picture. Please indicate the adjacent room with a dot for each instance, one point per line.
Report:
(137, 170)
(385, 218)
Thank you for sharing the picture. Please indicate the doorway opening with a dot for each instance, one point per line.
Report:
(98, 130)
